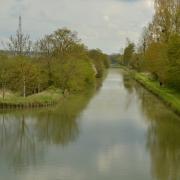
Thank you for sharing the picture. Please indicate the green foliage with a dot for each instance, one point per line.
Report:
(169, 96)
(74, 75)
(59, 60)
(128, 53)
(47, 96)
(100, 61)
(67, 63)
(174, 49)
(4, 73)
(60, 43)
(156, 61)
(159, 50)
(137, 61)
(4, 68)
(173, 54)
(24, 74)
(116, 59)
(163, 61)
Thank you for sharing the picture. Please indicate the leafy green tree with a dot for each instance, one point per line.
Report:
(100, 61)
(75, 75)
(128, 53)
(158, 52)
(65, 61)
(174, 61)
(60, 43)
(156, 61)
(24, 76)
(4, 73)
(58, 59)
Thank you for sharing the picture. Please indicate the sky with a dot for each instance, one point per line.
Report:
(103, 24)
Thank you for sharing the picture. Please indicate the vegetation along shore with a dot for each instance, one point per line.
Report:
(156, 58)
(41, 73)
(169, 96)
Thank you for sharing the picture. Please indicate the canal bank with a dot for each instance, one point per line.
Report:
(50, 97)
(169, 97)
(46, 98)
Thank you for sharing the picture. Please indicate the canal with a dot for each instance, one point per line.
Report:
(120, 132)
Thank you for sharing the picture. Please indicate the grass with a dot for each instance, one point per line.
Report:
(169, 96)
(42, 98)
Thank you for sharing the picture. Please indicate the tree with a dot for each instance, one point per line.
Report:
(75, 75)
(115, 58)
(173, 54)
(25, 76)
(166, 19)
(45, 50)
(64, 41)
(144, 40)
(128, 53)
(158, 49)
(4, 73)
(99, 60)
(59, 43)
(64, 59)
(20, 44)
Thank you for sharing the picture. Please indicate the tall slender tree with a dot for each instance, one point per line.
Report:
(20, 44)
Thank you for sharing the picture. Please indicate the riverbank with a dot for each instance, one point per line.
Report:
(169, 96)
(47, 98)
(42, 99)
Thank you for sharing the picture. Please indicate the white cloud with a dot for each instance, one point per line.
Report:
(121, 155)
(106, 18)
(97, 22)
(149, 3)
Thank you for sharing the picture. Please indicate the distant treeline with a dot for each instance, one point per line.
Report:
(59, 60)
(159, 49)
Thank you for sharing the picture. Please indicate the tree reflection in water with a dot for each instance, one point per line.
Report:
(163, 135)
(17, 139)
(24, 135)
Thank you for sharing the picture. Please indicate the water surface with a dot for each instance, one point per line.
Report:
(122, 132)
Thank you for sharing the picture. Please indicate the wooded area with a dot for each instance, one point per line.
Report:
(159, 49)
(57, 60)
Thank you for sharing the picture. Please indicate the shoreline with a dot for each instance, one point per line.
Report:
(43, 99)
(168, 96)
(47, 98)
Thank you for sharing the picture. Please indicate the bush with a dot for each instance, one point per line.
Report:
(174, 61)
(100, 61)
(74, 75)
(156, 61)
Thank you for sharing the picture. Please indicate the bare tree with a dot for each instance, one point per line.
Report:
(20, 44)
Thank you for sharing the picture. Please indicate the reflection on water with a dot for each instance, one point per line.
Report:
(24, 135)
(124, 132)
(163, 134)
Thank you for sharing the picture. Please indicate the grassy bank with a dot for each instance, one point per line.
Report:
(169, 96)
(45, 98)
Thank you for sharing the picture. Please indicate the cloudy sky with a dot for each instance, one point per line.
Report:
(103, 24)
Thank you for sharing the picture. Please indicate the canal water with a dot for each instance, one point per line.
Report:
(121, 132)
